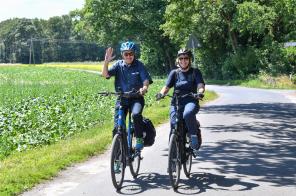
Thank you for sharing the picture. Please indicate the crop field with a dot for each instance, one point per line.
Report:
(41, 105)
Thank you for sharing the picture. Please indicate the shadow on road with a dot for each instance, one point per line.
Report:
(270, 156)
(197, 183)
(144, 182)
(201, 182)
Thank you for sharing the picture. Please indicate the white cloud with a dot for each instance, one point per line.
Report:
(37, 8)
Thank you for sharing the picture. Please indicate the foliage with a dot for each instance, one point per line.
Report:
(290, 56)
(231, 31)
(246, 20)
(227, 32)
(293, 78)
(53, 40)
(241, 64)
(111, 22)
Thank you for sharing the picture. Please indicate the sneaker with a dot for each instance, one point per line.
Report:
(117, 167)
(139, 144)
(194, 144)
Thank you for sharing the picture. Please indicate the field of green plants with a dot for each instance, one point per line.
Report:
(41, 105)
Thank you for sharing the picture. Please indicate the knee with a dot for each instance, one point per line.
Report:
(188, 115)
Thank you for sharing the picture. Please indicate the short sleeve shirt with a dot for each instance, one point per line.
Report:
(130, 77)
(185, 82)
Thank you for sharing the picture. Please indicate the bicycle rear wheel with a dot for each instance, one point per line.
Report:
(118, 163)
(174, 165)
(134, 163)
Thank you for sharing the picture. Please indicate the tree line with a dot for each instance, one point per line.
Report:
(39, 41)
(236, 38)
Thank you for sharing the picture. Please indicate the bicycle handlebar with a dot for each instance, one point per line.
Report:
(129, 94)
(197, 96)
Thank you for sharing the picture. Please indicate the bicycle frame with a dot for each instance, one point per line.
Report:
(122, 152)
(122, 128)
(179, 130)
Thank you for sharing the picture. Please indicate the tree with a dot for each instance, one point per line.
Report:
(229, 31)
(111, 22)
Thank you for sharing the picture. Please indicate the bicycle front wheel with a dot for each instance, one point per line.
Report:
(174, 164)
(135, 162)
(188, 157)
(117, 162)
(187, 165)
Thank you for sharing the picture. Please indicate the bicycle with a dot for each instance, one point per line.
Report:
(180, 153)
(122, 151)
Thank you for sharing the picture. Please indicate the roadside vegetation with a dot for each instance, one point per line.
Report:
(261, 81)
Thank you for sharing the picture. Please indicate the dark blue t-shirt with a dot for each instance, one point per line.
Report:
(185, 82)
(130, 77)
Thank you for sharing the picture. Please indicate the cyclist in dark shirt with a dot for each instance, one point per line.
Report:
(185, 80)
(130, 74)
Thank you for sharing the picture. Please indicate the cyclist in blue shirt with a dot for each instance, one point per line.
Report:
(186, 79)
(130, 74)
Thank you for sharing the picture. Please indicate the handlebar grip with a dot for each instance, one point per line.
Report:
(159, 96)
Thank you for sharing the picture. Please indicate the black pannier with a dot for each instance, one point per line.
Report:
(149, 132)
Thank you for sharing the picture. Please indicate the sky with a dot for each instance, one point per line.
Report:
(37, 8)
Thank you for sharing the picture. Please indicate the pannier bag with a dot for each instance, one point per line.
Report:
(149, 132)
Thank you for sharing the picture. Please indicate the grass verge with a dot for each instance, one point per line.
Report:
(261, 81)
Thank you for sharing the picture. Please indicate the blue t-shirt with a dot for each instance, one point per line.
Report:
(185, 82)
(130, 77)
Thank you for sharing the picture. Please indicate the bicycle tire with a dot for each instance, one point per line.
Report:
(174, 164)
(118, 158)
(134, 163)
(187, 165)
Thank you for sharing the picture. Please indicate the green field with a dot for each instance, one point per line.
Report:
(41, 105)
(96, 66)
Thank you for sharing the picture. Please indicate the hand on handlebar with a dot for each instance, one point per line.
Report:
(194, 95)
(159, 96)
(200, 96)
(143, 91)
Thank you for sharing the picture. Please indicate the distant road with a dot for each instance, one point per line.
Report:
(249, 148)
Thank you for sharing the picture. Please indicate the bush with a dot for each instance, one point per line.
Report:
(272, 58)
(293, 79)
(153, 61)
(290, 58)
(240, 65)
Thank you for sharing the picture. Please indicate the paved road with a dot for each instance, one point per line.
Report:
(249, 148)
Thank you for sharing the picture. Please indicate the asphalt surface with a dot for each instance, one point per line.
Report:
(248, 148)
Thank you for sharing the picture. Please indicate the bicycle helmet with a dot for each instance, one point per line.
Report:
(185, 51)
(128, 46)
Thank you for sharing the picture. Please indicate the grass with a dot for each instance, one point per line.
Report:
(261, 81)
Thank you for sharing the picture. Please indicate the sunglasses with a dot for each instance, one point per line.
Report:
(183, 58)
(128, 54)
